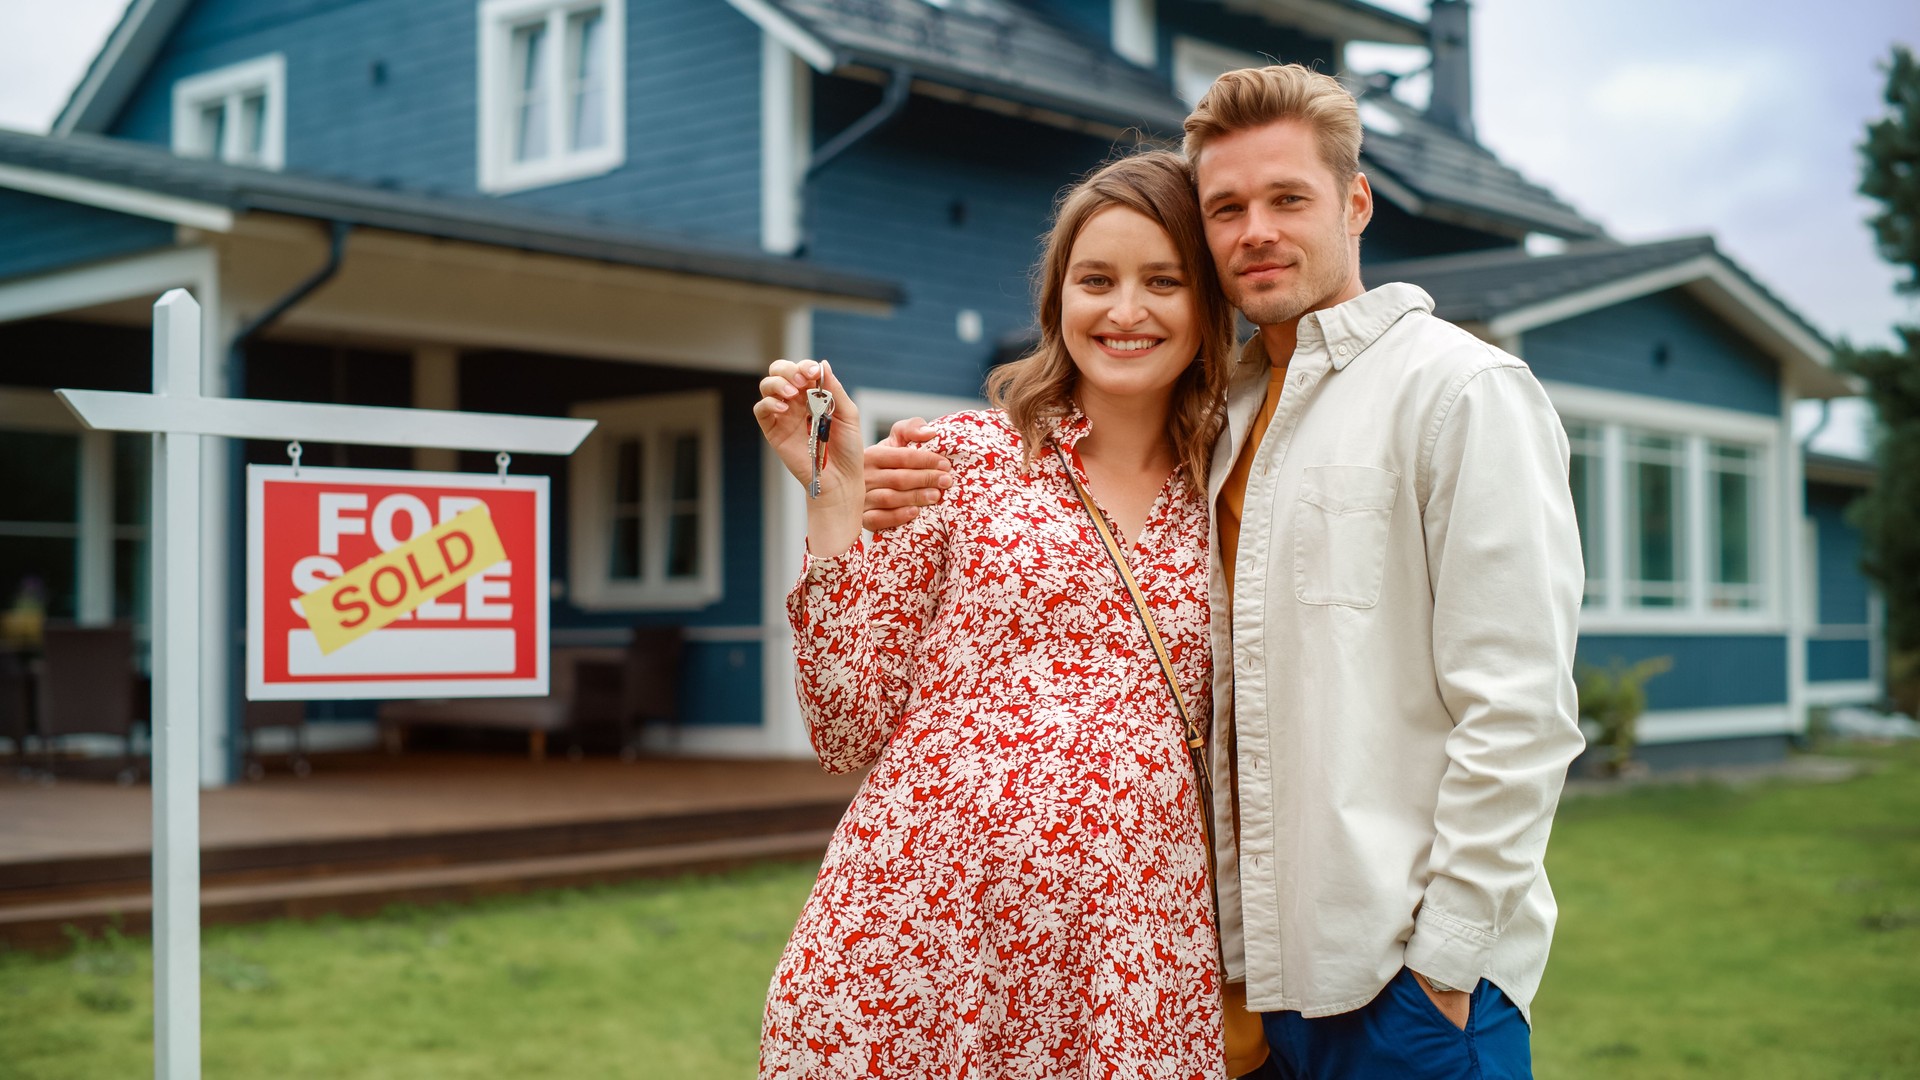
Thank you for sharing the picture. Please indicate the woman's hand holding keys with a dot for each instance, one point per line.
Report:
(833, 518)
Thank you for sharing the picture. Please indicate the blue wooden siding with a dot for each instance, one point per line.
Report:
(386, 93)
(1247, 33)
(42, 234)
(1666, 345)
(951, 202)
(1708, 672)
(1091, 18)
(1843, 587)
(1839, 661)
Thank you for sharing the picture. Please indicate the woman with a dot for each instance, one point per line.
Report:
(1020, 887)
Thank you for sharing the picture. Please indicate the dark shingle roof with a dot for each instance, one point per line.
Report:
(449, 217)
(1439, 165)
(1483, 285)
(994, 47)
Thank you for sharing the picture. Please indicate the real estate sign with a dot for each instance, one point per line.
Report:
(365, 583)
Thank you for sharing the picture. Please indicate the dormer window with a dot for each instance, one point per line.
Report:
(552, 91)
(235, 114)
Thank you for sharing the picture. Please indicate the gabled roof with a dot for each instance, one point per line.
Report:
(1841, 471)
(1509, 291)
(999, 48)
(1443, 174)
(116, 69)
(145, 180)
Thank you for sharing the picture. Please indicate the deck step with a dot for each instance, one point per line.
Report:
(38, 925)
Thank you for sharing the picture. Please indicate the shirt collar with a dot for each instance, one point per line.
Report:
(1349, 329)
(1068, 428)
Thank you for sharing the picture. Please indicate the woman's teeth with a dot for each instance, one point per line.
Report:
(1130, 344)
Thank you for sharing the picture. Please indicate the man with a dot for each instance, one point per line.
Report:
(1395, 706)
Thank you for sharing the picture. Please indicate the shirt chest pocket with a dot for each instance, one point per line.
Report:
(1340, 521)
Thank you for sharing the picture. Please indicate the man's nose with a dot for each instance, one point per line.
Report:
(1261, 228)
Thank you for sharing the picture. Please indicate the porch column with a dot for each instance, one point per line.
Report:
(1784, 567)
(94, 604)
(436, 385)
(784, 513)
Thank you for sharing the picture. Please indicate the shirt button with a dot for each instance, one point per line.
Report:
(1341, 349)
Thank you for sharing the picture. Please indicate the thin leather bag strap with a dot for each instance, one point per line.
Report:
(1196, 743)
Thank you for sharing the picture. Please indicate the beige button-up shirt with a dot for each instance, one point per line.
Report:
(1398, 660)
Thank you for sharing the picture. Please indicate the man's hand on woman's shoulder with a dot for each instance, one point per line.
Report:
(903, 476)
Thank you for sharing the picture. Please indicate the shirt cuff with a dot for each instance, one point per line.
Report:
(1449, 950)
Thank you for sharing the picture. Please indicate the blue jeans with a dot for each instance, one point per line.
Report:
(1401, 1035)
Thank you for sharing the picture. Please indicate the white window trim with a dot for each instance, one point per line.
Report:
(1614, 413)
(498, 172)
(265, 74)
(590, 481)
(879, 409)
(1133, 31)
(1193, 57)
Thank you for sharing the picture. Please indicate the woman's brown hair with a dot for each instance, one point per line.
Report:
(1039, 386)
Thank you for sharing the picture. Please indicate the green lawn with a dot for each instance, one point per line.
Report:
(1770, 932)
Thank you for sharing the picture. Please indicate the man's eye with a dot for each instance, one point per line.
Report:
(1224, 210)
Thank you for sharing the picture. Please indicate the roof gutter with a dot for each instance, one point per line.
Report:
(336, 251)
(892, 101)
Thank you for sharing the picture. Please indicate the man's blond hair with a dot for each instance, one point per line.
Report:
(1255, 97)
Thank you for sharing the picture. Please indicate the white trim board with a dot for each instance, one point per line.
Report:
(1716, 285)
(818, 55)
(1578, 403)
(117, 69)
(1850, 692)
(136, 277)
(116, 197)
(1689, 725)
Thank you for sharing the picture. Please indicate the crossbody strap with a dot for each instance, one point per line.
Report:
(1196, 743)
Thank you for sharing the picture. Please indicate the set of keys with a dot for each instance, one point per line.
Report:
(819, 429)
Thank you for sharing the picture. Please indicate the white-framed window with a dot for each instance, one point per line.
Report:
(881, 409)
(552, 91)
(237, 114)
(1675, 506)
(645, 495)
(1197, 63)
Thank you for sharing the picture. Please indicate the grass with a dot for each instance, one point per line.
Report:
(1705, 932)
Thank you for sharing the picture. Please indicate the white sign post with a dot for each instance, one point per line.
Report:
(181, 420)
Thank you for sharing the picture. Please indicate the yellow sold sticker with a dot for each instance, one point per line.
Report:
(393, 583)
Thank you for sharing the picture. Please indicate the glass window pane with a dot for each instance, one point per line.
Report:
(530, 109)
(132, 477)
(686, 468)
(37, 573)
(1656, 516)
(623, 563)
(130, 580)
(1584, 477)
(587, 34)
(253, 129)
(683, 545)
(626, 483)
(213, 129)
(39, 477)
(1735, 493)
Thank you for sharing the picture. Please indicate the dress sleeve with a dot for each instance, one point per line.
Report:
(857, 620)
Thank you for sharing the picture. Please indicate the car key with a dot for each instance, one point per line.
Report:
(819, 429)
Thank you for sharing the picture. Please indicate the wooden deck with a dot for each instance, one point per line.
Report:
(364, 831)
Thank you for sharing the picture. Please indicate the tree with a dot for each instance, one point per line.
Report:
(1889, 514)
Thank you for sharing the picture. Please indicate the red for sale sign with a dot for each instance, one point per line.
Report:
(367, 583)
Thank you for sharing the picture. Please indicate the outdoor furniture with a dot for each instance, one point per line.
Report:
(16, 703)
(86, 687)
(260, 715)
(589, 688)
(642, 685)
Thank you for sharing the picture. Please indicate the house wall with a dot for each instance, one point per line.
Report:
(1709, 672)
(1845, 652)
(386, 93)
(42, 234)
(1666, 345)
(1394, 234)
(949, 201)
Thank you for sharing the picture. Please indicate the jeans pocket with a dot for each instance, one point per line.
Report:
(1340, 525)
(1414, 996)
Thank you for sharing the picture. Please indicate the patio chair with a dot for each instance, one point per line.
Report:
(643, 685)
(260, 715)
(16, 704)
(86, 687)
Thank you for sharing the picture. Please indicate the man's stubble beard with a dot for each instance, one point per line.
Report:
(1310, 293)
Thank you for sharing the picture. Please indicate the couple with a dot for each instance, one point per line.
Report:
(1347, 552)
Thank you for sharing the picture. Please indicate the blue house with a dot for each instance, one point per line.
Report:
(621, 209)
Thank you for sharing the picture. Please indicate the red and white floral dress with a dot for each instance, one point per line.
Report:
(1019, 889)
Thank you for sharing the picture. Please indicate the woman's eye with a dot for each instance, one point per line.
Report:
(1095, 281)
(1164, 283)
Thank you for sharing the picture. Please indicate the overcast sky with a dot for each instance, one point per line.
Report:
(1658, 118)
